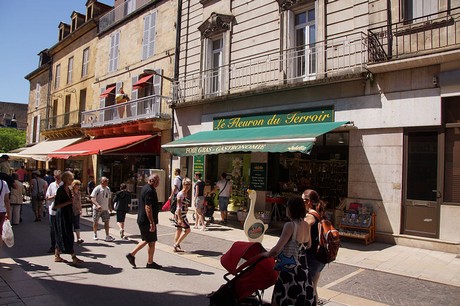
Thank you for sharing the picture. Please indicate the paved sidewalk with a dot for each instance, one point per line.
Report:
(17, 287)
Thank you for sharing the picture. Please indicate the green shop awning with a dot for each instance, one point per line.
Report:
(287, 138)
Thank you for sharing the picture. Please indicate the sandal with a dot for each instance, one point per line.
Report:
(59, 259)
(76, 260)
(177, 249)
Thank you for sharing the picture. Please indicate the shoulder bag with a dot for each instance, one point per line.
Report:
(288, 259)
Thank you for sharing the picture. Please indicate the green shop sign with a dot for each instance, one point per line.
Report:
(292, 118)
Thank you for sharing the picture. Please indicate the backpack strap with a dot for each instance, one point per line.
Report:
(315, 214)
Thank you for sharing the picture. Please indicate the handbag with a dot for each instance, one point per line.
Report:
(7, 233)
(288, 259)
(166, 205)
(116, 205)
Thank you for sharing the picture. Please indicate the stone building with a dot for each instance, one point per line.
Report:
(13, 115)
(356, 99)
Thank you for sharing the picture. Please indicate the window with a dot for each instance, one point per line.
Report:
(215, 72)
(57, 76)
(413, 9)
(69, 70)
(130, 6)
(85, 62)
(37, 95)
(114, 44)
(35, 130)
(215, 32)
(305, 39)
(67, 110)
(148, 40)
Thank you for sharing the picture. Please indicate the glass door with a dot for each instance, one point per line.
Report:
(422, 195)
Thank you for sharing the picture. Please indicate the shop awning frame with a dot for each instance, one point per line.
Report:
(41, 150)
(142, 82)
(286, 138)
(106, 92)
(99, 146)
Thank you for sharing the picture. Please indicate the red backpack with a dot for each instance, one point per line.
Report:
(329, 240)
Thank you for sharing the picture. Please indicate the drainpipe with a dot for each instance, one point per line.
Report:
(390, 35)
(176, 76)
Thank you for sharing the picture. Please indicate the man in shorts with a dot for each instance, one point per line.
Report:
(100, 197)
(225, 191)
(147, 220)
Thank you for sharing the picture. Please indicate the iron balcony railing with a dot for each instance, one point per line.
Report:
(419, 36)
(61, 121)
(120, 12)
(143, 108)
(340, 56)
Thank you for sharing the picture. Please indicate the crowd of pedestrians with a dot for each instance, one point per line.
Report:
(61, 192)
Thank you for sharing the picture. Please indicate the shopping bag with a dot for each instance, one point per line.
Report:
(166, 206)
(7, 233)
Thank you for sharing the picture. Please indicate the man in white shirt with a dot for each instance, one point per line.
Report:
(177, 184)
(101, 197)
(50, 196)
(225, 191)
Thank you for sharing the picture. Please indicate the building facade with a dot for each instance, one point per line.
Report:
(106, 111)
(373, 81)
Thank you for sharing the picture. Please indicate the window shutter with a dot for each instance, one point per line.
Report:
(145, 37)
(157, 82)
(101, 100)
(37, 95)
(113, 61)
(134, 92)
(148, 39)
(38, 129)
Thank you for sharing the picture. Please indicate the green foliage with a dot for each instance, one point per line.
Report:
(11, 139)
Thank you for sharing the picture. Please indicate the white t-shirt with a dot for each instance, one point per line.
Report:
(224, 189)
(102, 196)
(51, 192)
(5, 190)
(178, 183)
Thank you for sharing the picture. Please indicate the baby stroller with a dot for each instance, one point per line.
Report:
(254, 274)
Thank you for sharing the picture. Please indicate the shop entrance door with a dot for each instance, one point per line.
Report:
(422, 193)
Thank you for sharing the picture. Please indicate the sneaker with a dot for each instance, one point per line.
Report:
(131, 259)
(122, 234)
(95, 237)
(154, 265)
(109, 238)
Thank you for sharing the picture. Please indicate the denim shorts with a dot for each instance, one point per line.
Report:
(314, 265)
(223, 203)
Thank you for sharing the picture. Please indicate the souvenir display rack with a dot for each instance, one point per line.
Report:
(358, 225)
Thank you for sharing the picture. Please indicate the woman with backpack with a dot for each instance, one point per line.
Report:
(313, 204)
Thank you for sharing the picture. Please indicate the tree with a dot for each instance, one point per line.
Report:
(11, 139)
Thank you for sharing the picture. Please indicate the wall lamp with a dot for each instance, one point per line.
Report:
(151, 71)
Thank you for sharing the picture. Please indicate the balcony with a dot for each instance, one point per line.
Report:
(120, 12)
(337, 57)
(427, 35)
(144, 108)
(66, 120)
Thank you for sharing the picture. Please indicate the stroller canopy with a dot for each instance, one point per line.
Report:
(252, 271)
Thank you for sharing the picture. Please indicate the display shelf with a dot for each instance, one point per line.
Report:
(358, 226)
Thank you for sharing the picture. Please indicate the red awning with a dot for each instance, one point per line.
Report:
(99, 146)
(142, 82)
(106, 93)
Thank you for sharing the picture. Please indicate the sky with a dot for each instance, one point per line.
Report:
(26, 28)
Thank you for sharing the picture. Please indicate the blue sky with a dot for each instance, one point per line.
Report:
(26, 28)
